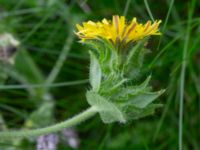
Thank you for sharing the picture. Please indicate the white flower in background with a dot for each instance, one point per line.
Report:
(8, 47)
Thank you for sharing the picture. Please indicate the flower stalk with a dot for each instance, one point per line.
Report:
(90, 112)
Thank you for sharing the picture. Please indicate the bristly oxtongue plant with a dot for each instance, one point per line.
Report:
(116, 56)
(117, 49)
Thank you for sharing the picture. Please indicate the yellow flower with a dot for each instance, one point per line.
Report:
(117, 30)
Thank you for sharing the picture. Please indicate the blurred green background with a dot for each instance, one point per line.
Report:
(49, 77)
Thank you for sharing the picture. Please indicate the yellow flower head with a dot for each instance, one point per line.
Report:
(117, 30)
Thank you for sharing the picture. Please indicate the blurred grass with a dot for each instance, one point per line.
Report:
(44, 27)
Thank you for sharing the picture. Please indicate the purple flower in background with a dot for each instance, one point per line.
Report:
(71, 137)
(50, 141)
(47, 142)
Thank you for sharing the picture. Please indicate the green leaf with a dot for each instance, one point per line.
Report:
(134, 60)
(41, 117)
(144, 98)
(134, 52)
(108, 111)
(25, 65)
(3, 76)
(149, 110)
(95, 72)
(137, 113)
(133, 90)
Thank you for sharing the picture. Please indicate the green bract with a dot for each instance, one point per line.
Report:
(112, 70)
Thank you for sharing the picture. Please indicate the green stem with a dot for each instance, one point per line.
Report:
(54, 128)
(61, 59)
(182, 76)
(148, 10)
(126, 7)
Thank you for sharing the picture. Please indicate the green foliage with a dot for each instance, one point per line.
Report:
(115, 97)
(41, 117)
(134, 59)
(22, 64)
(95, 73)
(108, 111)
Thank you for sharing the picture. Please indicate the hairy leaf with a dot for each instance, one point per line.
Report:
(144, 98)
(95, 73)
(108, 111)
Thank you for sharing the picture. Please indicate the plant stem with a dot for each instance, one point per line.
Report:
(25, 85)
(54, 128)
(182, 76)
(126, 7)
(61, 59)
(148, 10)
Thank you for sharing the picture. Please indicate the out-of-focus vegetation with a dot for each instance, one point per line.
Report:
(48, 77)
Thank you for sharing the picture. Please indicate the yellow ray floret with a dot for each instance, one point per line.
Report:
(117, 30)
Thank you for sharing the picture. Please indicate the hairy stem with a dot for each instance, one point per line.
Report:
(54, 128)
